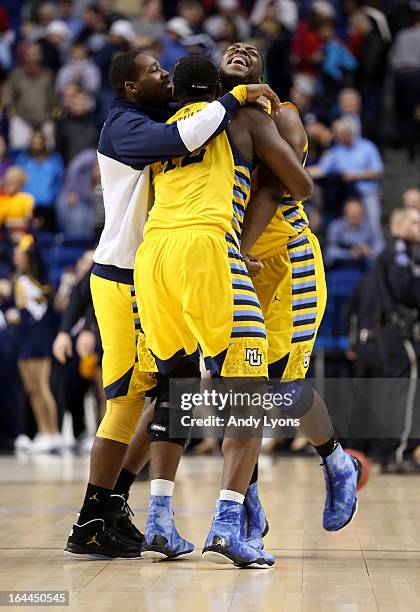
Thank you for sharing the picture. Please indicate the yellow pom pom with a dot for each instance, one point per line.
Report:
(87, 366)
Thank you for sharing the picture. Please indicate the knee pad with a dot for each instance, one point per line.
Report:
(166, 425)
(121, 418)
(297, 397)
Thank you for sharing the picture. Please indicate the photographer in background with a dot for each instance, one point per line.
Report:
(397, 283)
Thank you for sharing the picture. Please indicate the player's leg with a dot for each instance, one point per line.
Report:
(157, 275)
(243, 365)
(161, 538)
(124, 387)
(118, 513)
(305, 284)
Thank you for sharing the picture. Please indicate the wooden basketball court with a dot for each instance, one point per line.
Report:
(374, 564)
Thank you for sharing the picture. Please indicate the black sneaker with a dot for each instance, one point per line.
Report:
(118, 517)
(93, 541)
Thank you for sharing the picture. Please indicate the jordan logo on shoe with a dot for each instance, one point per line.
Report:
(93, 540)
(220, 541)
(94, 498)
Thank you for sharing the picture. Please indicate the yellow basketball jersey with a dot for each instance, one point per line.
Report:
(289, 221)
(209, 187)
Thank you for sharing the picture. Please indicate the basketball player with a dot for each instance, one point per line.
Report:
(131, 139)
(292, 292)
(194, 291)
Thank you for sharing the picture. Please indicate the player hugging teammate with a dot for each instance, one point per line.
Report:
(193, 291)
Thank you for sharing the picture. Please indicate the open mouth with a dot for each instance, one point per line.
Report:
(166, 83)
(240, 60)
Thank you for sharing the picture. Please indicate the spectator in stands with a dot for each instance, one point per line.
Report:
(45, 172)
(75, 344)
(28, 96)
(34, 335)
(120, 39)
(320, 139)
(193, 13)
(284, 11)
(350, 107)
(405, 61)
(95, 27)
(45, 14)
(5, 161)
(279, 64)
(67, 98)
(75, 205)
(176, 29)
(151, 25)
(301, 95)
(307, 42)
(359, 164)
(76, 131)
(79, 69)
(350, 239)
(67, 14)
(16, 206)
(7, 39)
(108, 9)
(411, 198)
(54, 45)
(370, 42)
(336, 64)
(227, 10)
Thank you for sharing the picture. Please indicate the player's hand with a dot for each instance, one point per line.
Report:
(63, 347)
(85, 343)
(260, 93)
(254, 265)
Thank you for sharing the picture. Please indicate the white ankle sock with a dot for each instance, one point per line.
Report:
(162, 487)
(228, 495)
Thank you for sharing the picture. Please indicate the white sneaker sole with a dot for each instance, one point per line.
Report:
(219, 559)
(215, 557)
(159, 556)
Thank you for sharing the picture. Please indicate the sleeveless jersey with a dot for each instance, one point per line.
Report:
(289, 221)
(209, 187)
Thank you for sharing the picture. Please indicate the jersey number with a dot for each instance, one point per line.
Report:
(187, 160)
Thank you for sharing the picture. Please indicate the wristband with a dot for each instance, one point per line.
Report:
(240, 93)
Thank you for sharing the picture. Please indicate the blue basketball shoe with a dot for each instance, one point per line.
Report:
(342, 473)
(257, 525)
(226, 543)
(161, 539)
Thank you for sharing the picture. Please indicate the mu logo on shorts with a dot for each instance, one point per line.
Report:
(253, 357)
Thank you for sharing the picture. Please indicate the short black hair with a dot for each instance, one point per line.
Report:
(195, 77)
(122, 70)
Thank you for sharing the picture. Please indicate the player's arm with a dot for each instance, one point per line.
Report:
(278, 155)
(138, 140)
(265, 201)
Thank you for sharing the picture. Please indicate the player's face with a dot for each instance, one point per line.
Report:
(153, 85)
(241, 63)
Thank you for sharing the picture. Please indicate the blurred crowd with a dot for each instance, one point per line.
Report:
(352, 68)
